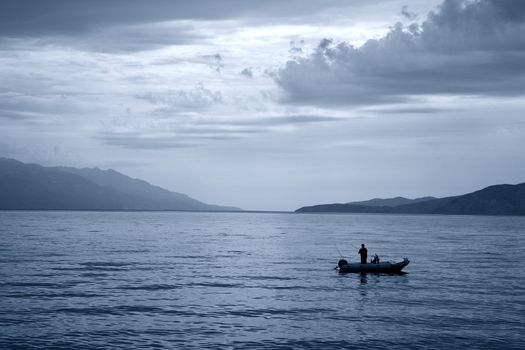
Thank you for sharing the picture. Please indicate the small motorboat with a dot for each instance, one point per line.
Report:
(380, 267)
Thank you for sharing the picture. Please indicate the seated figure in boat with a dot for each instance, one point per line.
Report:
(375, 259)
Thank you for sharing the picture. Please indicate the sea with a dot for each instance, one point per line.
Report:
(190, 280)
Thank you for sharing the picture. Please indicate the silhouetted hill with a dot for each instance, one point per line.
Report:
(390, 202)
(493, 200)
(31, 186)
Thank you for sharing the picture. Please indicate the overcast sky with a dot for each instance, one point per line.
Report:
(270, 105)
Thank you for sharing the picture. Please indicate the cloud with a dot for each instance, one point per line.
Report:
(214, 61)
(408, 14)
(463, 48)
(296, 47)
(49, 17)
(177, 137)
(138, 141)
(14, 115)
(128, 26)
(289, 120)
(131, 38)
(199, 132)
(410, 110)
(198, 97)
(31, 109)
(247, 72)
(123, 25)
(117, 39)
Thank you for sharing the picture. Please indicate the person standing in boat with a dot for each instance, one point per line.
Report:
(364, 254)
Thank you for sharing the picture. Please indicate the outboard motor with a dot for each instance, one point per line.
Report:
(342, 263)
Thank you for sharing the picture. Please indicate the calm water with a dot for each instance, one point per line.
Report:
(86, 280)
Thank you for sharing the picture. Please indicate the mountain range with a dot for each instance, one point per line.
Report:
(33, 187)
(492, 200)
(390, 202)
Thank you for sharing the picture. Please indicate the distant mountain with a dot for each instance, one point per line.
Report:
(31, 186)
(391, 202)
(493, 200)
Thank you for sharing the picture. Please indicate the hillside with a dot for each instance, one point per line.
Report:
(31, 186)
(492, 200)
(391, 202)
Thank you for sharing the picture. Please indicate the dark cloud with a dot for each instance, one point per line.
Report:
(120, 39)
(133, 25)
(44, 17)
(463, 48)
(405, 12)
(247, 72)
(16, 115)
(133, 38)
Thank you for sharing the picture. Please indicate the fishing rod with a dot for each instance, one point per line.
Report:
(342, 261)
(340, 254)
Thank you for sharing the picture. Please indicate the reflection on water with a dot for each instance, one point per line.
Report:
(89, 280)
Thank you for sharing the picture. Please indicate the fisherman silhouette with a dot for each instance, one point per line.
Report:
(364, 254)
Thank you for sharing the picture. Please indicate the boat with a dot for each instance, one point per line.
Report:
(380, 267)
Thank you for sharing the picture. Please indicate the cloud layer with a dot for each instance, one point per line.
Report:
(463, 48)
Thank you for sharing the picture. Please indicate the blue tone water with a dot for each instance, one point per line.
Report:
(86, 280)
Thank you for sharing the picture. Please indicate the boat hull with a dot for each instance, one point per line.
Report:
(383, 267)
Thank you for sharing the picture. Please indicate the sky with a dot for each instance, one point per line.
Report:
(270, 105)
